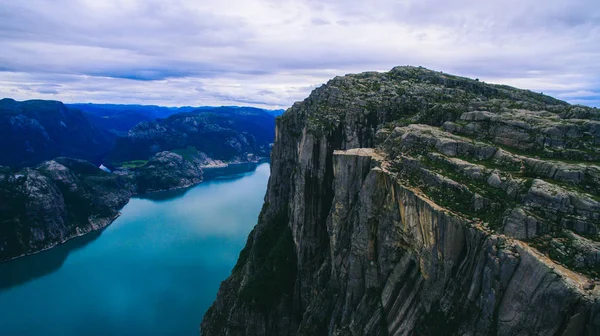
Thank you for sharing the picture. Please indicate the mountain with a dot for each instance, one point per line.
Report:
(224, 133)
(60, 199)
(110, 110)
(36, 130)
(414, 202)
(275, 113)
(119, 119)
(120, 123)
(240, 109)
(39, 130)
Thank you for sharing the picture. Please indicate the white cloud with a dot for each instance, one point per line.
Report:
(272, 53)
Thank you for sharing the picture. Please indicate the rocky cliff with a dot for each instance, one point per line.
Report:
(60, 199)
(414, 202)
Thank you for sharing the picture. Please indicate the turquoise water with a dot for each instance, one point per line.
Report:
(154, 271)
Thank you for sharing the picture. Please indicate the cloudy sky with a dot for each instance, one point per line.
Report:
(270, 53)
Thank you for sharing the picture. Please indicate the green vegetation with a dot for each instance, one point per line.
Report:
(497, 196)
(512, 167)
(133, 164)
(559, 247)
(275, 256)
(188, 153)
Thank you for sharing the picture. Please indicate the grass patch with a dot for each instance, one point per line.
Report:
(132, 164)
(560, 249)
(462, 201)
(188, 153)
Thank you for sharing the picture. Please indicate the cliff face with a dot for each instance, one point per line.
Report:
(415, 202)
(58, 200)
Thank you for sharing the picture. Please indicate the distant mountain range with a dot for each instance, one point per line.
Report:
(119, 119)
(223, 133)
(38, 130)
(150, 110)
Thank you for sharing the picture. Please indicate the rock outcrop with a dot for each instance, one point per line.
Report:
(165, 171)
(414, 202)
(58, 200)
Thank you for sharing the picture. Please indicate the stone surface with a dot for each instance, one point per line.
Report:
(167, 170)
(58, 200)
(422, 203)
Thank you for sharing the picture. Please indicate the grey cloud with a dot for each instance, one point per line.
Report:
(271, 53)
(47, 91)
(320, 22)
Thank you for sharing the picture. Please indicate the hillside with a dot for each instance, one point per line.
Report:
(36, 130)
(414, 202)
(225, 134)
(119, 119)
(60, 199)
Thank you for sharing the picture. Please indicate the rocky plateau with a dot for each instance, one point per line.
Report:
(414, 202)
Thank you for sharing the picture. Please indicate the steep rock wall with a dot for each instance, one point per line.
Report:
(371, 225)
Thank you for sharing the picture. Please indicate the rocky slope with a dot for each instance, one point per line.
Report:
(414, 202)
(166, 170)
(226, 134)
(60, 199)
(37, 130)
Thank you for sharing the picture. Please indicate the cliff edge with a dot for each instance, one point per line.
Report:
(414, 202)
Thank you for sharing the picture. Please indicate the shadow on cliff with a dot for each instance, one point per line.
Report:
(25, 269)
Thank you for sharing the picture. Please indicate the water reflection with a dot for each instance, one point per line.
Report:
(231, 172)
(22, 270)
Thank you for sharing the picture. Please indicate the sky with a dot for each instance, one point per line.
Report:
(269, 53)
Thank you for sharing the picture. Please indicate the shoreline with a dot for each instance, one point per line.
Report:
(210, 178)
(79, 233)
(95, 227)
